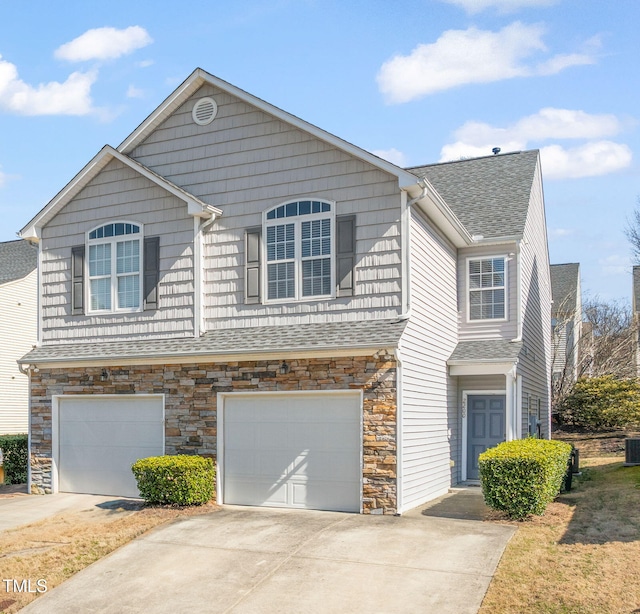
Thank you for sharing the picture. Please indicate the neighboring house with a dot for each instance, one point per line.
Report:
(338, 332)
(566, 326)
(635, 311)
(18, 330)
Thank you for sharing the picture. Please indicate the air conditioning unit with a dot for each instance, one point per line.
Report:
(631, 452)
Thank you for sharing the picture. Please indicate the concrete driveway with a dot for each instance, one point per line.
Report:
(260, 560)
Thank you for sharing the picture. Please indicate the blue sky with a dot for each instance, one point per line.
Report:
(415, 81)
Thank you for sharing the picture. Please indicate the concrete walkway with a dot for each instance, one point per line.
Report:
(260, 560)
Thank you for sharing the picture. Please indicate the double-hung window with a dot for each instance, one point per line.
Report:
(487, 288)
(114, 266)
(300, 250)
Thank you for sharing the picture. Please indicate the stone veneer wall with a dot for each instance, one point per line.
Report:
(190, 406)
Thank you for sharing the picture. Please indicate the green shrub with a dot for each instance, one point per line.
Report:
(15, 454)
(179, 480)
(522, 477)
(602, 403)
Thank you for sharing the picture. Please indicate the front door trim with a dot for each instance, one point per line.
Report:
(465, 425)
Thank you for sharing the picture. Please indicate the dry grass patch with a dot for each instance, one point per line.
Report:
(582, 556)
(58, 547)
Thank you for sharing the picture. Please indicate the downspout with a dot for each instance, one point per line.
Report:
(518, 293)
(405, 230)
(518, 405)
(197, 278)
(511, 403)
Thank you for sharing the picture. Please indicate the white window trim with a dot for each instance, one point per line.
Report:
(114, 277)
(467, 286)
(297, 221)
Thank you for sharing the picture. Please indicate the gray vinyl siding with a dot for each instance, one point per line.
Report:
(247, 161)
(118, 193)
(488, 329)
(18, 333)
(535, 362)
(429, 424)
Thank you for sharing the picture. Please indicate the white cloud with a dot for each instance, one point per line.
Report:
(560, 233)
(3, 178)
(598, 156)
(73, 97)
(589, 160)
(615, 264)
(104, 44)
(391, 155)
(504, 6)
(461, 57)
(135, 92)
(548, 123)
(144, 63)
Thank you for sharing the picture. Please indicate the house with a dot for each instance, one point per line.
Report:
(18, 330)
(337, 332)
(635, 314)
(566, 326)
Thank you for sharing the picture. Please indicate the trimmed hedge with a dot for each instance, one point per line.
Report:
(178, 480)
(522, 477)
(15, 454)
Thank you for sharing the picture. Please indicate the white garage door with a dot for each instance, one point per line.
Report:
(293, 450)
(99, 439)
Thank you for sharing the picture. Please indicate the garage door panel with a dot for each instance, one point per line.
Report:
(293, 450)
(100, 438)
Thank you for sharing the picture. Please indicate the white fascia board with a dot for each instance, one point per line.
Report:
(32, 231)
(160, 359)
(199, 77)
(481, 368)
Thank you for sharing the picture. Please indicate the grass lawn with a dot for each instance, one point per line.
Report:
(58, 547)
(582, 556)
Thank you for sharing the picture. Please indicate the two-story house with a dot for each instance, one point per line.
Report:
(18, 330)
(338, 332)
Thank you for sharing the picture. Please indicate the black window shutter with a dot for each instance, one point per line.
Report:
(252, 265)
(345, 254)
(151, 272)
(77, 280)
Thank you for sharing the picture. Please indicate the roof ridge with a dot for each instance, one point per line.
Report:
(492, 156)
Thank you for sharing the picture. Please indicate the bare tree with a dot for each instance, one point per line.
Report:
(605, 344)
(609, 341)
(632, 231)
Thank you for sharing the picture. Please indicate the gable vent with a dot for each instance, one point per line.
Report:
(204, 111)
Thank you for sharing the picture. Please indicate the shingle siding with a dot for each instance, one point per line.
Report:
(247, 161)
(119, 193)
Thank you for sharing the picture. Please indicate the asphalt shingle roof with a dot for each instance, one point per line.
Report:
(487, 350)
(564, 287)
(489, 195)
(17, 260)
(376, 334)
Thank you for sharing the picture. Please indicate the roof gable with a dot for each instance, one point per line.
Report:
(17, 260)
(195, 206)
(489, 195)
(199, 77)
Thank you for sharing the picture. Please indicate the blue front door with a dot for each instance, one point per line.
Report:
(486, 418)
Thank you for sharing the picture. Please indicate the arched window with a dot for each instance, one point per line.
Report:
(114, 267)
(300, 250)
